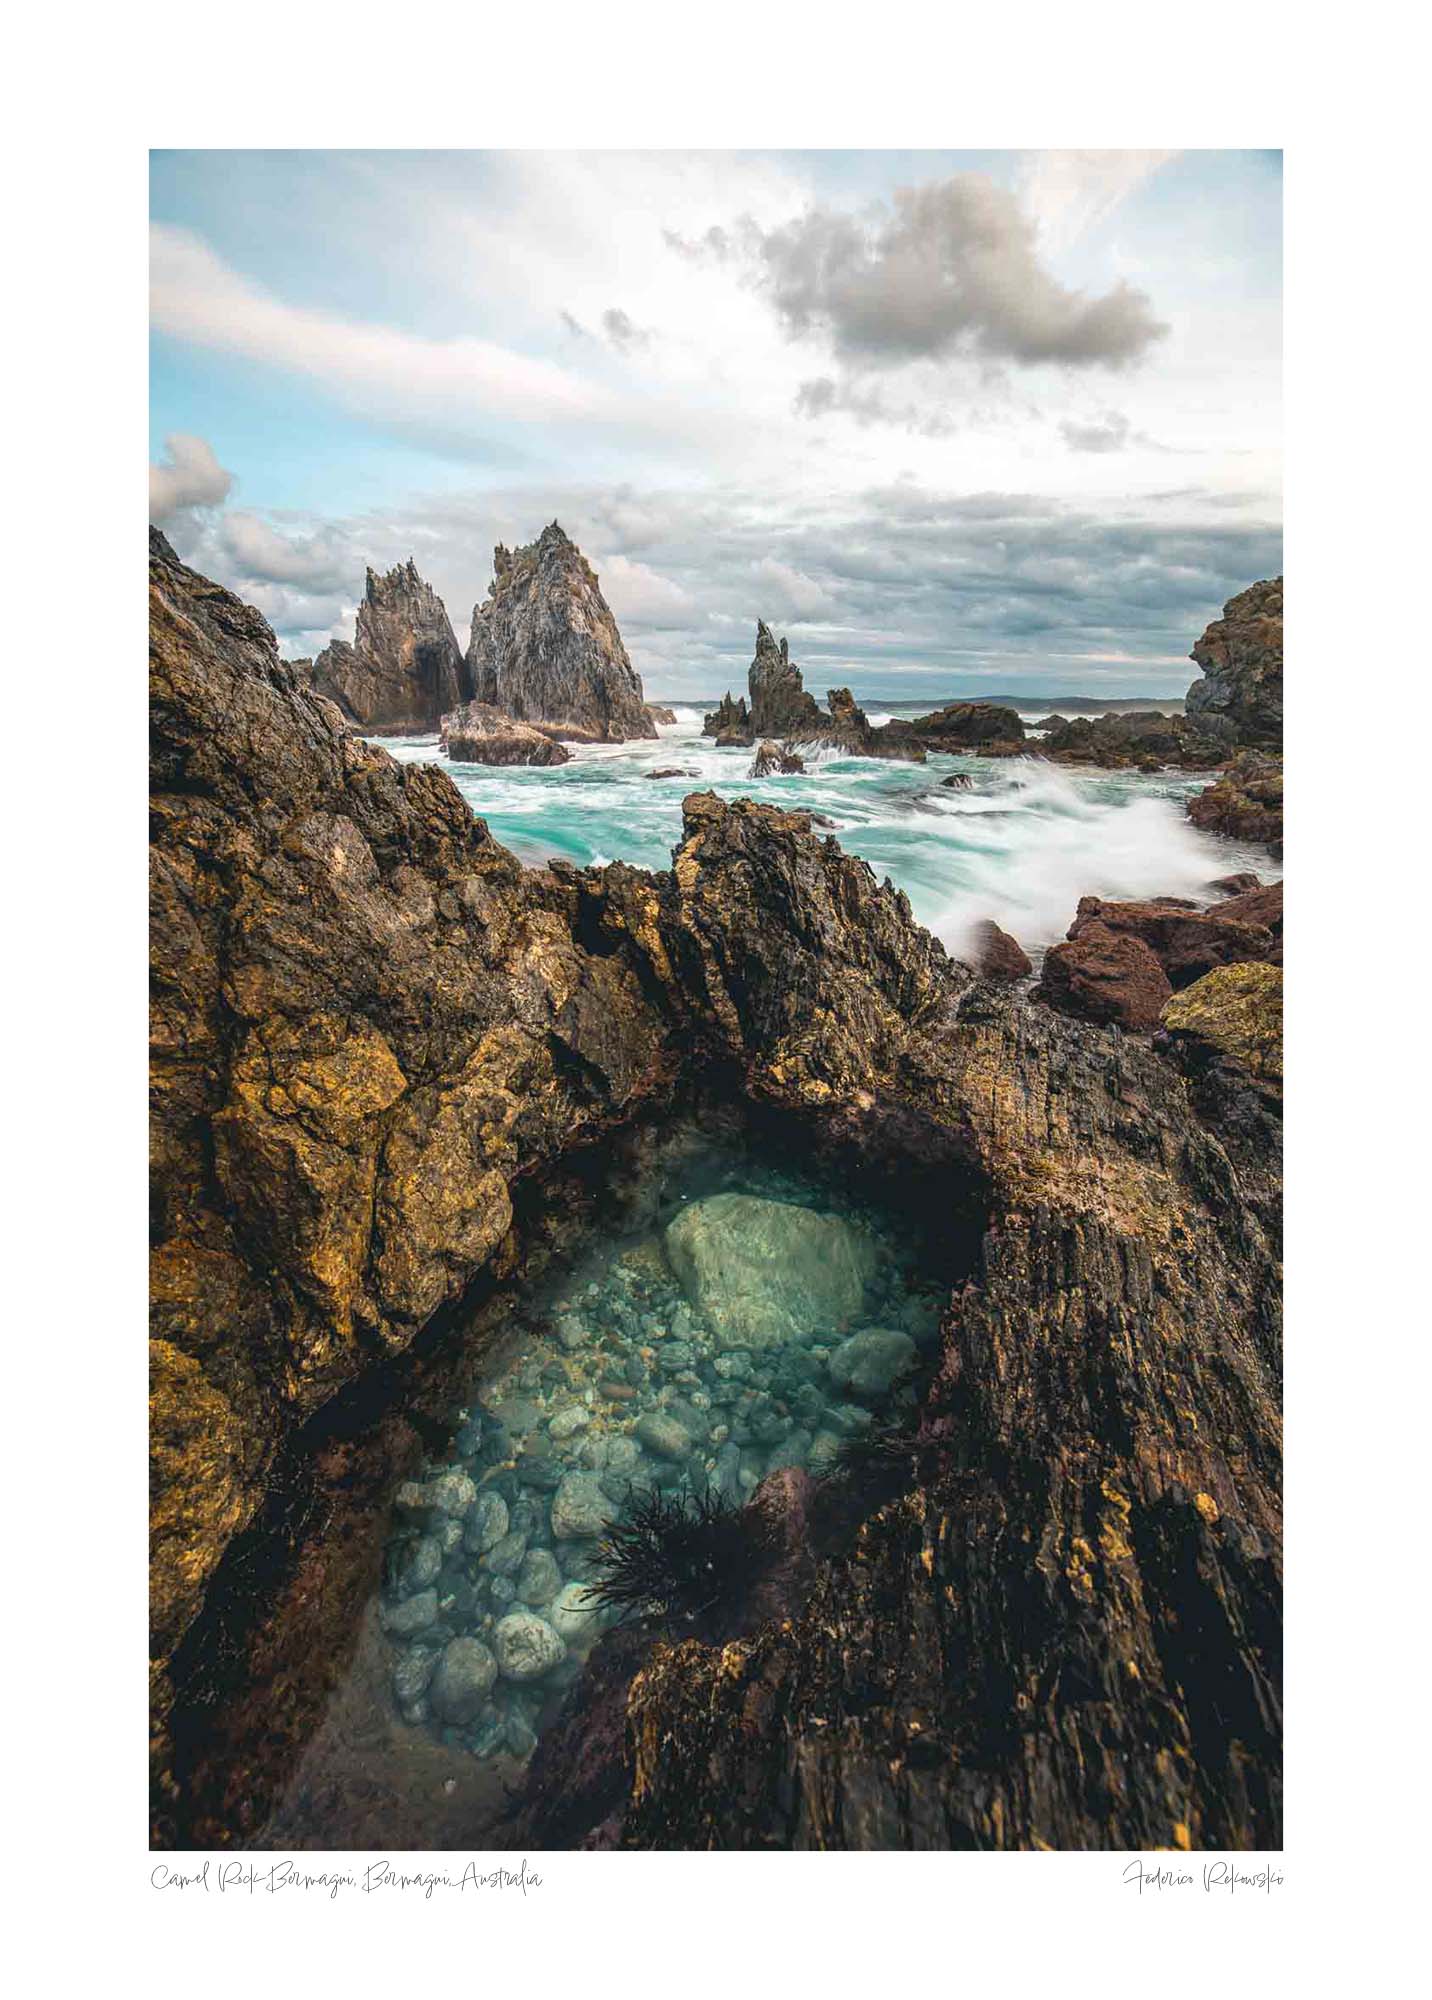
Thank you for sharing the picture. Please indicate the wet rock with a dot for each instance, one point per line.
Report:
(526, 1646)
(580, 1507)
(763, 1272)
(572, 1614)
(477, 733)
(1186, 941)
(772, 758)
(505, 1559)
(423, 1564)
(1246, 803)
(663, 1435)
(871, 1362)
(1105, 978)
(411, 1673)
(569, 1421)
(996, 955)
(451, 1493)
(1236, 885)
(413, 1614)
(486, 1523)
(539, 1578)
(463, 1680)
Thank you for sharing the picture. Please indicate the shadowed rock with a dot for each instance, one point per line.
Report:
(1239, 698)
(404, 669)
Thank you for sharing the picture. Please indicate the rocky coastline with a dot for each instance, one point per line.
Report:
(392, 1070)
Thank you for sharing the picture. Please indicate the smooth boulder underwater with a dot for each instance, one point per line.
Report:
(765, 1272)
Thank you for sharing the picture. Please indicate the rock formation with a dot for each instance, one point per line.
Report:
(961, 726)
(1246, 802)
(405, 668)
(1239, 698)
(545, 647)
(1145, 742)
(780, 705)
(1187, 941)
(479, 734)
(775, 757)
(1058, 1627)
(996, 955)
(1105, 976)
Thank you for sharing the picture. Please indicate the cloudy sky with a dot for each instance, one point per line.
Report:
(951, 421)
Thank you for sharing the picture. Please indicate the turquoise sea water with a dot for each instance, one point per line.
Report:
(1021, 846)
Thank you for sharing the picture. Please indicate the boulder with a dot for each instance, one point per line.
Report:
(580, 1508)
(1107, 977)
(872, 1361)
(1245, 803)
(775, 757)
(1234, 1015)
(405, 669)
(526, 1646)
(545, 647)
(763, 1272)
(463, 1680)
(995, 954)
(477, 733)
(1186, 941)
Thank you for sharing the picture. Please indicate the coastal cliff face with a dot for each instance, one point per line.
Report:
(405, 668)
(545, 647)
(1239, 698)
(1059, 1624)
(366, 1023)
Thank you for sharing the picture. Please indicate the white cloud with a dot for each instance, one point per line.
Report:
(260, 551)
(789, 593)
(188, 476)
(639, 595)
(1071, 191)
(195, 296)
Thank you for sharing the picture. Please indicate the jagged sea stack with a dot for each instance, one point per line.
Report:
(405, 669)
(780, 705)
(545, 647)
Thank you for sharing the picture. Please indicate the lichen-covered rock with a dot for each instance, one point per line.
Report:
(405, 668)
(1240, 695)
(477, 733)
(545, 647)
(1063, 1628)
(366, 1019)
(1236, 1013)
(764, 1272)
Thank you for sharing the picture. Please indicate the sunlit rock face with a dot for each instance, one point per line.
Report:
(764, 1272)
(405, 669)
(545, 646)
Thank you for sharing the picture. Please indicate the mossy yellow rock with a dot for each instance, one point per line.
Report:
(1237, 1010)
